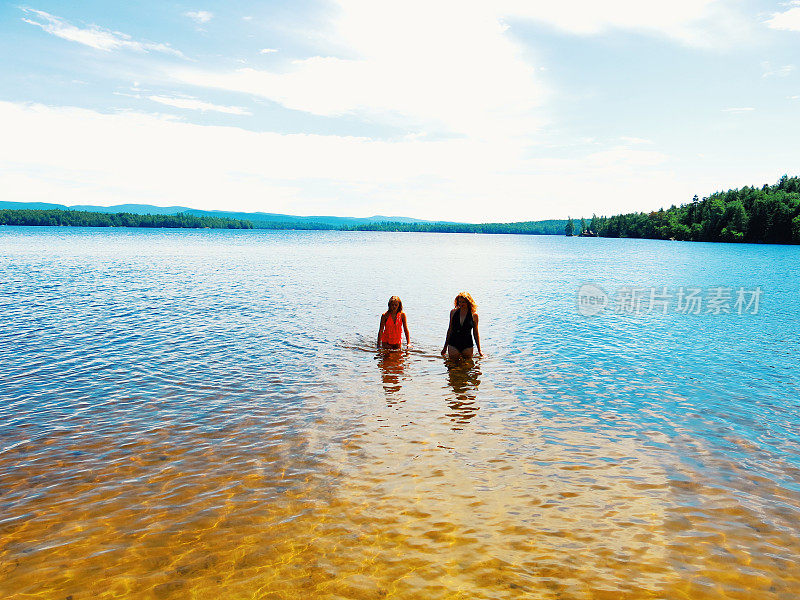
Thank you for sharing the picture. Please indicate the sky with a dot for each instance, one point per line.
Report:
(490, 111)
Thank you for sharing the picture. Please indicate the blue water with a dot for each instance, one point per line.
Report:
(114, 335)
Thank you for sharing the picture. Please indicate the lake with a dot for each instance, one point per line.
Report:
(202, 414)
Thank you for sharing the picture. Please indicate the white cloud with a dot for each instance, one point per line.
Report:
(268, 50)
(199, 16)
(451, 66)
(92, 36)
(739, 109)
(788, 20)
(195, 104)
(622, 155)
(769, 71)
(442, 66)
(635, 140)
(692, 22)
(77, 156)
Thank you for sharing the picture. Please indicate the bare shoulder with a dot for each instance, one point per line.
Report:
(475, 317)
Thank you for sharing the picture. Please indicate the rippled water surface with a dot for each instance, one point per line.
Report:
(201, 414)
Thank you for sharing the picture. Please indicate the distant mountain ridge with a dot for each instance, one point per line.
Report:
(255, 217)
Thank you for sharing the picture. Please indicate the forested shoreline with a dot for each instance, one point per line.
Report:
(553, 227)
(74, 218)
(77, 218)
(770, 214)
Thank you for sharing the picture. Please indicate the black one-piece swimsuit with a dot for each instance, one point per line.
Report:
(461, 333)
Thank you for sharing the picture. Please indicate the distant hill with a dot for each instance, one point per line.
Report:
(255, 217)
(125, 215)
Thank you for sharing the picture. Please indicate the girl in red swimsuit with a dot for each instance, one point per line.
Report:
(389, 334)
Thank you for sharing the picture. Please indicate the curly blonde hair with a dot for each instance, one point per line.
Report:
(399, 304)
(465, 296)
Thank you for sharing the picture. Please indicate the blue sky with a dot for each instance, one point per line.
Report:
(473, 111)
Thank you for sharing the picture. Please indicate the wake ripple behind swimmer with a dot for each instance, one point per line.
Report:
(362, 343)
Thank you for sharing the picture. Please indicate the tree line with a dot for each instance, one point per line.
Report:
(296, 225)
(770, 214)
(552, 227)
(78, 218)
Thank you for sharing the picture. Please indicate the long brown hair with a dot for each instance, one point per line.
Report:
(465, 296)
(399, 304)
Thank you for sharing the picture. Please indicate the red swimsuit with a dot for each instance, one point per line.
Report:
(392, 329)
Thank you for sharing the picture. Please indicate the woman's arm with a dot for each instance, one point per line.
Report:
(405, 328)
(477, 335)
(380, 329)
(447, 336)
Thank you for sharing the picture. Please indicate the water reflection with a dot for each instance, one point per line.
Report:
(464, 379)
(392, 364)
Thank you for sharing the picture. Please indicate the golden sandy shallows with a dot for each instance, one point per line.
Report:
(455, 500)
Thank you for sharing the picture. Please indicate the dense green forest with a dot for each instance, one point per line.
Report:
(770, 214)
(555, 227)
(299, 225)
(77, 218)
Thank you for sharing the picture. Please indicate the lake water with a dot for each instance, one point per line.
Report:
(202, 414)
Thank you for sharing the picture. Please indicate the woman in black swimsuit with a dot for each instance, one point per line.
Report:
(463, 322)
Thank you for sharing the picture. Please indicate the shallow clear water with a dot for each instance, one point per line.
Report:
(202, 414)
